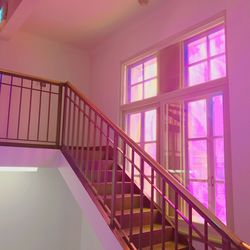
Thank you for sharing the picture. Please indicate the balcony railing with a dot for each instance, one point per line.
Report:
(37, 112)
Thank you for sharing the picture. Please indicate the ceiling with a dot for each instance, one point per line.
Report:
(83, 23)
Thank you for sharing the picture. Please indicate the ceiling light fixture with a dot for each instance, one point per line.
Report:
(3, 12)
(143, 2)
(18, 169)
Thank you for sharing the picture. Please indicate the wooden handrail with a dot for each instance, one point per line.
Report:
(207, 214)
(27, 76)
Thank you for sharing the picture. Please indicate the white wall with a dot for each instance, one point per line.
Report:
(38, 212)
(48, 209)
(172, 18)
(30, 54)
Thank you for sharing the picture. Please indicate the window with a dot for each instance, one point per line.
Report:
(205, 153)
(205, 58)
(142, 80)
(190, 125)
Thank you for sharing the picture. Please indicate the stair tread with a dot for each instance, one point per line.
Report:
(170, 245)
(125, 196)
(146, 228)
(109, 183)
(135, 211)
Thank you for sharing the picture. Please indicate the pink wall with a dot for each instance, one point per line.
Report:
(34, 55)
(175, 17)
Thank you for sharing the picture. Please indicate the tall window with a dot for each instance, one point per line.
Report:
(142, 80)
(191, 126)
(205, 58)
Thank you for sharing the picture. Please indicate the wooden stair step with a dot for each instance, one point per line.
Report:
(127, 201)
(100, 187)
(146, 232)
(146, 228)
(136, 217)
(169, 245)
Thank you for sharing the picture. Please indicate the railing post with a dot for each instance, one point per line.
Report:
(64, 114)
(59, 117)
(114, 173)
(226, 244)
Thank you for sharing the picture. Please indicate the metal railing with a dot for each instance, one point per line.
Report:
(104, 156)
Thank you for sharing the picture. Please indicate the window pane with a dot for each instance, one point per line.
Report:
(200, 191)
(150, 148)
(197, 155)
(150, 88)
(150, 125)
(150, 69)
(136, 93)
(218, 67)
(136, 74)
(197, 74)
(197, 119)
(197, 50)
(220, 209)
(218, 121)
(217, 42)
(135, 127)
(219, 159)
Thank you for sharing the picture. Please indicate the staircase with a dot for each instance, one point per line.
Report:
(133, 193)
(139, 220)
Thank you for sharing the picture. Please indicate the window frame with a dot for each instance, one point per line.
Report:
(185, 93)
(128, 85)
(186, 65)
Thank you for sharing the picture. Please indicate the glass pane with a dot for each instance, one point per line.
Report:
(197, 50)
(197, 119)
(136, 74)
(150, 125)
(218, 121)
(217, 42)
(174, 140)
(150, 148)
(219, 159)
(150, 69)
(220, 209)
(199, 191)
(136, 93)
(150, 88)
(197, 74)
(218, 67)
(135, 127)
(197, 156)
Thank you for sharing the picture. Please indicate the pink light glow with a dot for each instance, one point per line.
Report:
(218, 67)
(150, 125)
(136, 74)
(220, 210)
(197, 119)
(217, 43)
(197, 50)
(197, 155)
(150, 88)
(150, 69)
(218, 121)
(136, 93)
(197, 73)
(135, 127)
